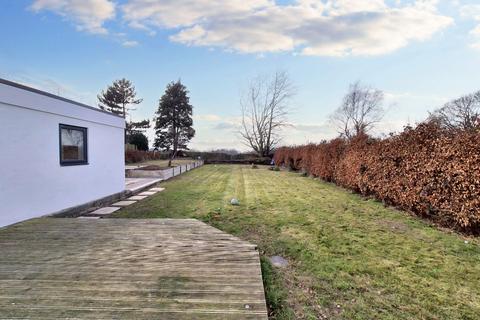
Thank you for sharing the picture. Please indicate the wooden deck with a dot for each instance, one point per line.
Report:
(127, 269)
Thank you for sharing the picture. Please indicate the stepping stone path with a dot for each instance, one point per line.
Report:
(123, 203)
(104, 211)
(147, 193)
(136, 198)
(120, 204)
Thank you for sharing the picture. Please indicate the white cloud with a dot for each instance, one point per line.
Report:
(309, 27)
(217, 122)
(312, 27)
(378, 31)
(87, 15)
(470, 10)
(473, 12)
(393, 97)
(130, 43)
(227, 125)
(179, 13)
(207, 117)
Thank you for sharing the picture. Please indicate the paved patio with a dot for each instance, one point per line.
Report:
(55, 268)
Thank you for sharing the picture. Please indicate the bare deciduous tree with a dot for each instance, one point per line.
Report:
(462, 113)
(265, 107)
(361, 109)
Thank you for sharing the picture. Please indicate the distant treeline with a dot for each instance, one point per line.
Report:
(221, 157)
(135, 156)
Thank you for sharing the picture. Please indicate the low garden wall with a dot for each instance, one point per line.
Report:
(426, 170)
(164, 173)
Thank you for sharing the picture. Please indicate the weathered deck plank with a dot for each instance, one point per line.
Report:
(127, 269)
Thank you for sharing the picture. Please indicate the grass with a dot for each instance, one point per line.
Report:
(350, 258)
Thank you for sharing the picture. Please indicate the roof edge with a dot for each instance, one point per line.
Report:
(53, 96)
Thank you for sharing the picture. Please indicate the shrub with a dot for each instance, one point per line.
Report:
(133, 156)
(426, 170)
(139, 140)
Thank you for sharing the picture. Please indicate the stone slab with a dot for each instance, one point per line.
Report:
(105, 211)
(86, 217)
(147, 193)
(123, 203)
(136, 198)
(278, 261)
(156, 189)
(137, 184)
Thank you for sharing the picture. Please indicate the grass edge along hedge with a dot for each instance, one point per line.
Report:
(429, 171)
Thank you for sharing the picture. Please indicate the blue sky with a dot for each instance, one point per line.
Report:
(421, 53)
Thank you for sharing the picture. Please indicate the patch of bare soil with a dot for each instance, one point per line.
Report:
(395, 226)
(303, 298)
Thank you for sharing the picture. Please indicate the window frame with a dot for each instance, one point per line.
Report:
(85, 145)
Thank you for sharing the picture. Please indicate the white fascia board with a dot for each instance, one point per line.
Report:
(44, 102)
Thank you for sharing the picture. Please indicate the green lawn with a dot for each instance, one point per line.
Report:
(350, 258)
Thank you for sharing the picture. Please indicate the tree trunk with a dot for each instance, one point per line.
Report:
(174, 154)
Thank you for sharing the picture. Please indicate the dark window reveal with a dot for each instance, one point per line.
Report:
(73, 145)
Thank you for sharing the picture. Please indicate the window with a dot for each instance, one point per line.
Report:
(73, 145)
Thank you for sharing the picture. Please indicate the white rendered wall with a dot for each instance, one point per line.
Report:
(32, 181)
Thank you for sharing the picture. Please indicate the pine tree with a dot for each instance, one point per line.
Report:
(118, 97)
(133, 127)
(173, 123)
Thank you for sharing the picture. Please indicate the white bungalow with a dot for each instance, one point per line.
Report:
(55, 154)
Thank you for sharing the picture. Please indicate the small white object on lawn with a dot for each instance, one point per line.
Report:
(234, 202)
(278, 261)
